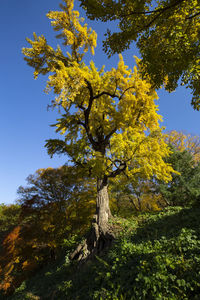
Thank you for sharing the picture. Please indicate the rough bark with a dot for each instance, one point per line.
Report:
(100, 236)
(102, 207)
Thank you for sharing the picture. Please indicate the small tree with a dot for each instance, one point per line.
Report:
(109, 122)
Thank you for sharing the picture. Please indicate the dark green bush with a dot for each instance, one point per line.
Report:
(184, 189)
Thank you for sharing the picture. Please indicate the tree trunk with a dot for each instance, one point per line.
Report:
(100, 236)
(102, 206)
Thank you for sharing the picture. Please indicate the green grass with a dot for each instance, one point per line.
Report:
(156, 256)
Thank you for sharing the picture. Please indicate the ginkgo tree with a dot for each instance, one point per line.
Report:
(109, 121)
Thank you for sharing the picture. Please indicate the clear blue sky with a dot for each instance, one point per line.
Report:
(24, 119)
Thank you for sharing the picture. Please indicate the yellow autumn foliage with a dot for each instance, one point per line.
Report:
(110, 122)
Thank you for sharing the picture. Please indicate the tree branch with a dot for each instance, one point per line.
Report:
(116, 172)
(130, 87)
(107, 137)
(105, 93)
(193, 16)
(81, 106)
(87, 114)
(159, 10)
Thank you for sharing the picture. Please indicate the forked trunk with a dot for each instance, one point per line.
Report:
(100, 235)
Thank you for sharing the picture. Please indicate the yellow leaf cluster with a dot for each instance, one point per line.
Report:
(72, 32)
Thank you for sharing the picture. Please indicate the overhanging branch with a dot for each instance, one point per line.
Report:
(158, 10)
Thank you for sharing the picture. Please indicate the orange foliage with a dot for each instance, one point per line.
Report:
(9, 257)
(55, 206)
(182, 142)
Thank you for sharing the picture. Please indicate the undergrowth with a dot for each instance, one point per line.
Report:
(155, 256)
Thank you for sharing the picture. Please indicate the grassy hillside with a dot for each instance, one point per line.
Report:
(156, 256)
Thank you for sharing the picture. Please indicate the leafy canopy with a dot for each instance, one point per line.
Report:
(166, 33)
(184, 189)
(109, 122)
(188, 142)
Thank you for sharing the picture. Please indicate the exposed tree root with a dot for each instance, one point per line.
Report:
(97, 240)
